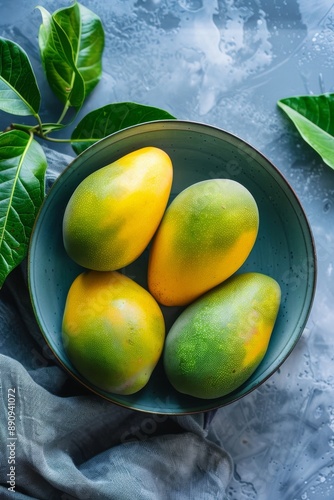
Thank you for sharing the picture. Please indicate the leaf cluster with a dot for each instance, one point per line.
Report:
(71, 42)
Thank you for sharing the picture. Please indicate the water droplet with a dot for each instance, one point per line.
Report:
(191, 5)
(318, 412)
(327, 205)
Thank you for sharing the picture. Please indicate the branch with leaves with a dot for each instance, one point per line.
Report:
(71, 43)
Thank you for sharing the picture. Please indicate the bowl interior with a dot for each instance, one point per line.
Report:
(284, 248)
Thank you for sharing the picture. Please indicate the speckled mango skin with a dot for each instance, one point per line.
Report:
(113, 331)
(206, 234)
(220, 339)
(114, 212)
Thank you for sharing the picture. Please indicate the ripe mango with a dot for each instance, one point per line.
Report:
(114, 212)
(113, 331)
(206, 234)
(218, 341)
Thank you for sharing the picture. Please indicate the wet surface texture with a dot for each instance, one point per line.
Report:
(226, 63)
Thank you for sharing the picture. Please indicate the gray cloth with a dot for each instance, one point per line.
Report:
(69, 443)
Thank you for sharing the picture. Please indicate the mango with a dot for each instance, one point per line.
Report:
(113, 331)
(219, 340)
(114, 212)
(206, 234)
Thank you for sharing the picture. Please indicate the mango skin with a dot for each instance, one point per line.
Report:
(113, 331)
(220, 339)
(206, 234)
(114, 212)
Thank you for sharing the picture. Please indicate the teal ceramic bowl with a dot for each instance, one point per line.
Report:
(284, 248)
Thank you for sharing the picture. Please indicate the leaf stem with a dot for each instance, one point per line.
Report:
(36, 130)
(62, 116)
(52, 139)
(38, 118)
(30, 129)
(24, 128)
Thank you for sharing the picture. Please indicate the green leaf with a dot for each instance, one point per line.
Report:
(22, 187)
(85, 33)
(19, 92)
(111, 118)
(313, 116)
(71, 42)
(57, 58)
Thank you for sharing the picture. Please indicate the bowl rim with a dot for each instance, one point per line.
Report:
(248, 147)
